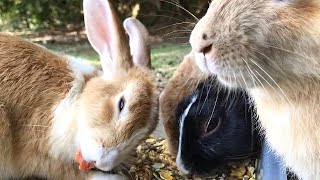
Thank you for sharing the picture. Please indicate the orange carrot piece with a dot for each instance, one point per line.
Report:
(83, 165)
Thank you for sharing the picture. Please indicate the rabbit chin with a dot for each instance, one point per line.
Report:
(203, 64)
(109, 160)
(105, 160)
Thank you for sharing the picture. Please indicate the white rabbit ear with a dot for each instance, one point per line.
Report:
(139, 44)
(106, 35)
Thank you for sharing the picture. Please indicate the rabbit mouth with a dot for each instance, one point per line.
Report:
(226, 74)
(108, 160)
(202, 63)
(234, 73)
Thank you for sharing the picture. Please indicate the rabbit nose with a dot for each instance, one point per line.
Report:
(207, 49)
(203, 46)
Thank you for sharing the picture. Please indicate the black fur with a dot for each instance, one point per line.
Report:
(235, 138)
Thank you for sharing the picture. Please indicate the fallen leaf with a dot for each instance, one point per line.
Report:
(165, 175)
(158, 165)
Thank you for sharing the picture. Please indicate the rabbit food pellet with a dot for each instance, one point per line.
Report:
(152, 161)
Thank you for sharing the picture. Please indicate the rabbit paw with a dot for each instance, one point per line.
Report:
(105, 176)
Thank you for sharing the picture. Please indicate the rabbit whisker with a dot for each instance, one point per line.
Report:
(291, 52)
(255, 78)
(159, 15)
(180, 23)
(240, 156)
(262, 54)
(206, 98)
(200, 95)
(179, 6)
(241, 74)
(187, 82)
(247, 87)
(250, 73)
(214, 107)
(278, 86)
(35, 125)
(182, 37)
(279, 69)
(34, 140)
(174, 13)
(177, 31)
(254, 84)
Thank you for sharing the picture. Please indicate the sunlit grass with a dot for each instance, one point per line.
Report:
(165, 57)
(168, 55)
(81, 50)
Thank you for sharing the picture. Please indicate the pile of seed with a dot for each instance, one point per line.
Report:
(152, 161)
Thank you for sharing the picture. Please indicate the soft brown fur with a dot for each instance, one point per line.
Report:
(272, 49)
(34, 81)
(93, 97)
(182, 83)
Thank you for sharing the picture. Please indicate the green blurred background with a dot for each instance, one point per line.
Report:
(58, 25)
(55, 14)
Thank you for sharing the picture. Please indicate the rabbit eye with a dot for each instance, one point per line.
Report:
(121, 104)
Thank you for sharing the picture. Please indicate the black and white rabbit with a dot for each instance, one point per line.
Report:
(216, 126)
(203, 148)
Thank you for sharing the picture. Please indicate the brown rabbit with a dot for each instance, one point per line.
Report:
(271, 48)
(51, 107)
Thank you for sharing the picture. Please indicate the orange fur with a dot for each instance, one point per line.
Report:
(93, 97)
(47, 106)
(182, 83)
(33, 80)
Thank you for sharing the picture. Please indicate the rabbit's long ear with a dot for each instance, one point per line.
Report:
(139, 42)
(106, 35)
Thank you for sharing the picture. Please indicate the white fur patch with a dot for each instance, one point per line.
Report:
(205, 63)
(107, 159)
(91, 150)
(201, 62)
(79, 65)
(179, 162)
(63, 124)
